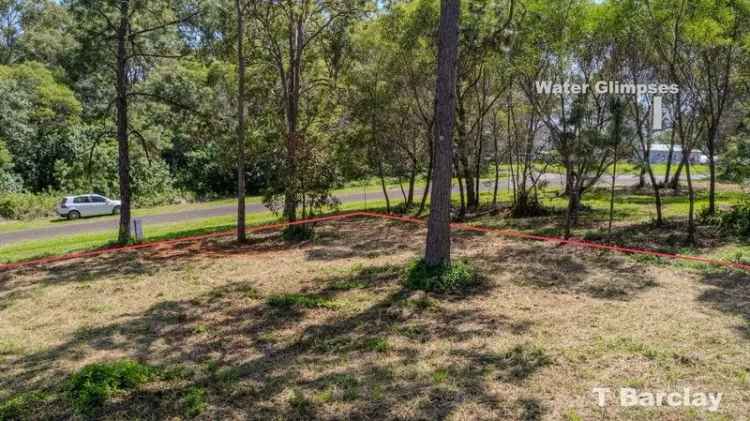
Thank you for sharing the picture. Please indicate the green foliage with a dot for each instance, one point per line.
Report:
(734, 165)
(194, 401)
(301, 300)
(94, 384)
(37, 112)
(20, 406)
(298, 233)
(151, 182)
(27, 205)
(456, 277)
(379, 345)
(736, 220)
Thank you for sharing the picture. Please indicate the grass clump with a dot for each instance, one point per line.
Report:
(301, 300)
(522, 361)
(301, 404)
(92, 385)
(194, 401)
(298, 233)
(20, 406)
(380, 345)
(455, 277)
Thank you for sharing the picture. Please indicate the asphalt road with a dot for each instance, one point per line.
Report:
(63, 228)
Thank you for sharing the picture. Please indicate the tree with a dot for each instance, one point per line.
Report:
(38, 114)
(135, 27)
(289, 30)
(240, 122)
(438, 245)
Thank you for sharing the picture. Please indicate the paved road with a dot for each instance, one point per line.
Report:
(63, 228)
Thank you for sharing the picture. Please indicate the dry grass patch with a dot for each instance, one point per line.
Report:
(347, 340)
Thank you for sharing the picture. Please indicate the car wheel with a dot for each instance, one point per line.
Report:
(116, 210)
(74, 215)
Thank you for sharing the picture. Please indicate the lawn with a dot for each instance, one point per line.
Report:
(80, 242)
(370, 186)
(634, 213)
(325, 329)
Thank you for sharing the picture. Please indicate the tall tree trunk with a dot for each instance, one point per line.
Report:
(381, 175)
(461, 195)
(429, 178)
(667, 173)
(497, 162)
(412, 181)
(123, 161)
(691, 197)
(240, 124)
(438, 243)
(296, 43)
(675, 182)
(711, 146)
(612, 193)
(463, 167)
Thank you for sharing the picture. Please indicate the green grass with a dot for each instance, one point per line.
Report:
(456, 277)
(89, 388)
(630, 208)
(301, 301)
(80, 242)
(370, 186)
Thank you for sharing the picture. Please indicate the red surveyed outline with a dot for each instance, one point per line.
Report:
(459, 226)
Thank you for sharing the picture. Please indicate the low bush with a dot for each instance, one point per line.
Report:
(27, 205)
(455, 277)
(736, 220)
(94, 384)
(298, 233)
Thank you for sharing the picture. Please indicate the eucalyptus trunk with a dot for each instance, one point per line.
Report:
(438, 244)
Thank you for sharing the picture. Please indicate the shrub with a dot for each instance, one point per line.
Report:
(445, 278)
(737, 220)
(27, 205)
(298, 233)
(92, 385)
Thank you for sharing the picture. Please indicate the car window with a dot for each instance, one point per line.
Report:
(98, 199)
(81, 199)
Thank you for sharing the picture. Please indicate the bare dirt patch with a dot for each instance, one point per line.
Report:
(325, 329)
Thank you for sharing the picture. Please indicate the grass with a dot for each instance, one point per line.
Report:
(286, 301)
(548, 325)
(355, 187)
(455, 277)
(80, 242)
(90, 387)
(634, 211)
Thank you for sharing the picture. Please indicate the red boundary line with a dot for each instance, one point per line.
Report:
(461, 226)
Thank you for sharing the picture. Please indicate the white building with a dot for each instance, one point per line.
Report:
(660, 154)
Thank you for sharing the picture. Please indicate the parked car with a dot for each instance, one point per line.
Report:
(74, 207)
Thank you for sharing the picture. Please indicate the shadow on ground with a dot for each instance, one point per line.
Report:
(364, 359)
(729, 292)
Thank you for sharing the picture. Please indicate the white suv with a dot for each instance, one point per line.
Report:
(74, 207)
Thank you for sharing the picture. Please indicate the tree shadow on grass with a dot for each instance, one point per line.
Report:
(20, 283)
(385, 240)
(260, 362)
(729, 293)
(567, 270)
